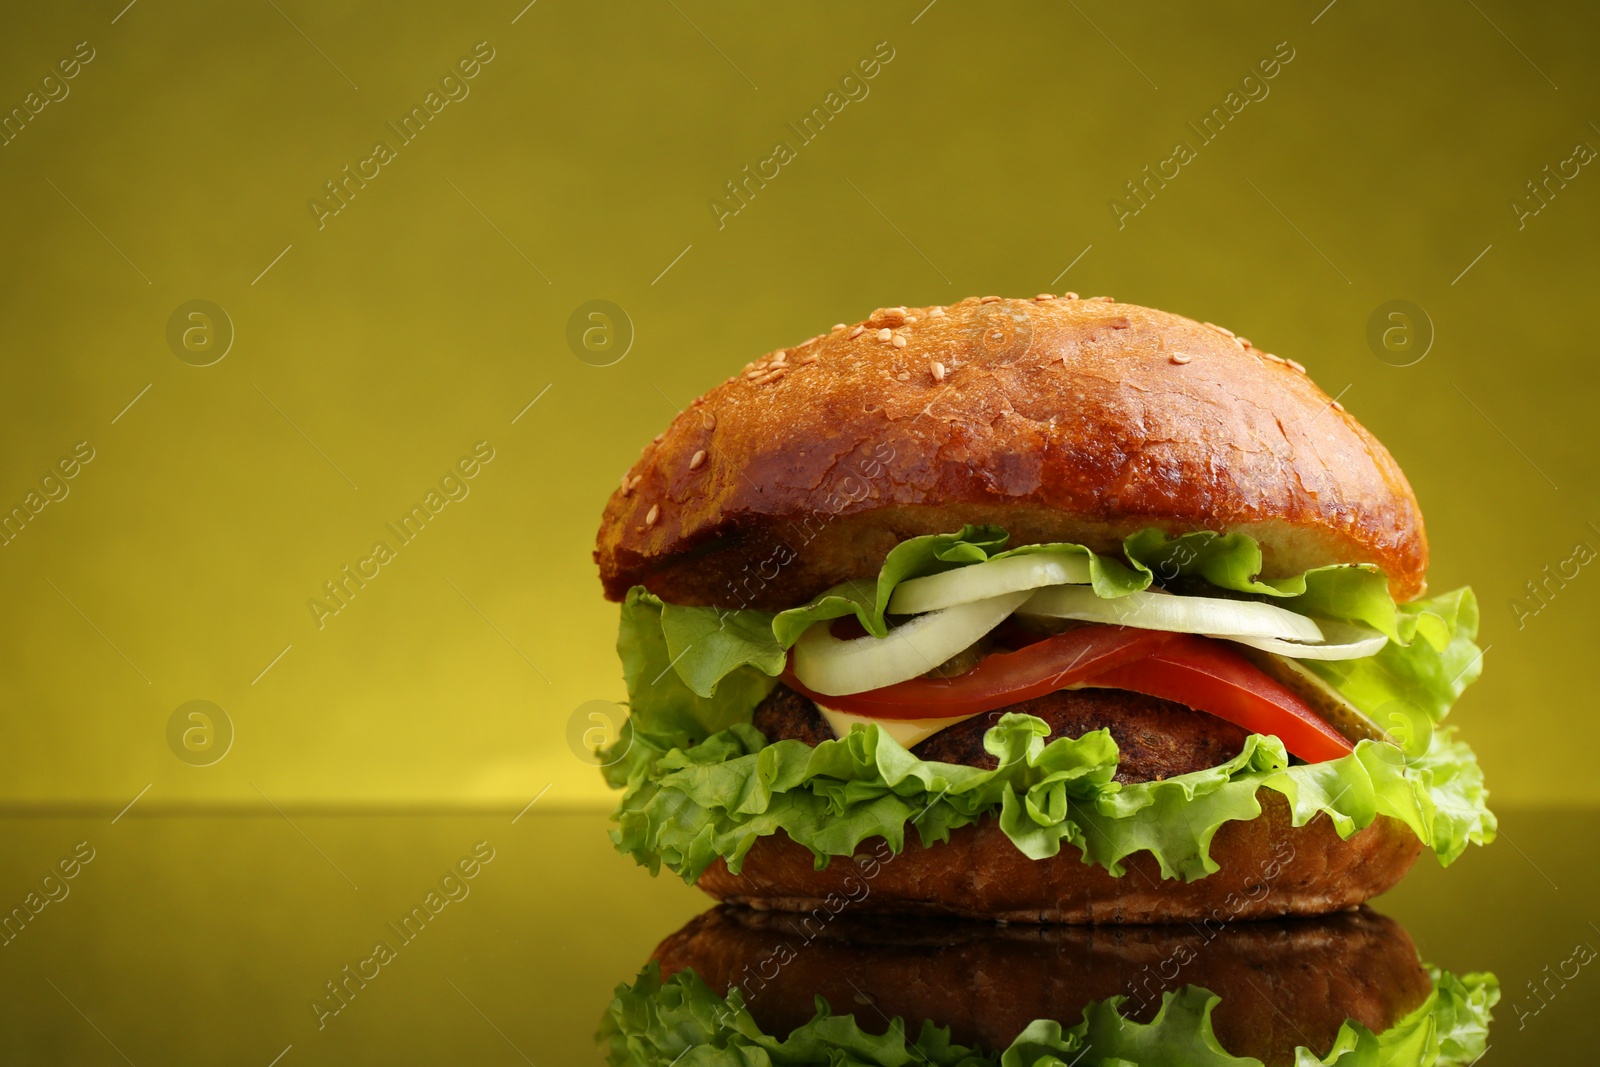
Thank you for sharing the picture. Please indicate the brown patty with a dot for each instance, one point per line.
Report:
(1156, 738)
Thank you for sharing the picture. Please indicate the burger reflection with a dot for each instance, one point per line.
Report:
(749, 988)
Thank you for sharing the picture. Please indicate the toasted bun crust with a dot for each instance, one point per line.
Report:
(1269, 868)
(1282, 984)
(1059, 419)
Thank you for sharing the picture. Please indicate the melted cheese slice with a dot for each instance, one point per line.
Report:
(907, 732)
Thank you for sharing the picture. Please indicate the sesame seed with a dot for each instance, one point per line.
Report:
(1275, 359)
(938, 371)
(857, 332)
(898, 341)
(808, 359)
(626, 488)
(656, 440)
(936, 313)
(1069, 296)
(903, 376)
(990, 300)
(1181, 357)
(910, 319)
(838, 326)
(1301, 367)
(633, 483)
(653, 514)
(1107, 299)
(697, 459)
(1244, 341)
(708, 420)
(1220, 329)
(1338, 406)
(885, 334)
(780, 359)
(1045, 296)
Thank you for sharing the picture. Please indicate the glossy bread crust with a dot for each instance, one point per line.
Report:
(1269, 869)
(1059, 419)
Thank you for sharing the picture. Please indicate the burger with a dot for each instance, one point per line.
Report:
(1047, 610)
(744, 987)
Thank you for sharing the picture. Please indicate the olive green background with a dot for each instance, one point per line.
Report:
(372, 352)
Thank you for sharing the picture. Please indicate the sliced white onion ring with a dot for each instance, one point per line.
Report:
(825, 664)
(1177, 614)
(1343, 641)
(979, 581)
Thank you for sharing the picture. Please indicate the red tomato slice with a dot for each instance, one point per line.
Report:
(1198, 672)
(1001, 679)
(1204, 674)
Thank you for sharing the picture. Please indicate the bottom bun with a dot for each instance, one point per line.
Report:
(1269, 868)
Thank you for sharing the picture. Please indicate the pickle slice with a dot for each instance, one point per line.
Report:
(1333, 707)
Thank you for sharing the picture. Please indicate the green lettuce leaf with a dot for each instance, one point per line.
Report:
(1228, 561)
(912, 558)
(665, 712)
(1462, 1013)
(1427, 675)
(708, 644)
(680, 1020)
(1350, 592)
(1357, 593)
(717, 798)
(1450, 1027)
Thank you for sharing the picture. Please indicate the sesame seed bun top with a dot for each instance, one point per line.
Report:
(1058, 418)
